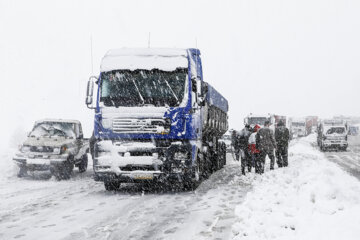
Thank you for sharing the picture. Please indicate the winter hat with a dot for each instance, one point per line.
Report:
(257, 127)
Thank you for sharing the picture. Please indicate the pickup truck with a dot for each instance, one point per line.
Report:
(53, 145)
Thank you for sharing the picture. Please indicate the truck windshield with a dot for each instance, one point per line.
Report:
(298, 124)
(257, 120)
(140, 87)
(53, 129)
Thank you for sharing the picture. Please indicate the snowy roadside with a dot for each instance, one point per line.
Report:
(311, 199)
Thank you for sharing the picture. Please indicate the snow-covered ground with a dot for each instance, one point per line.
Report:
(311, 199)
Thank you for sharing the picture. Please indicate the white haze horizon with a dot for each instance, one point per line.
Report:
(293, 58)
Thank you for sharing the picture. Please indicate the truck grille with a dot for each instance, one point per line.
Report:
(138, 125)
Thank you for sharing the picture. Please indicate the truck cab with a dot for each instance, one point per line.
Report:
(155, 117)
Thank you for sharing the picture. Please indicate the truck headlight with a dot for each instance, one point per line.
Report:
(106, 123)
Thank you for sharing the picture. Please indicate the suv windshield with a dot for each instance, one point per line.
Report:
(140, 87)
(257, 120)
(52, 129)
(338, 130)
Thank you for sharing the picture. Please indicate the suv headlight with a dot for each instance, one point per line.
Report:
(56, 150)
(25, 149)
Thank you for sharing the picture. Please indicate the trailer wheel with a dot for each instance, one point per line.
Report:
(112, 185)
(83, 164)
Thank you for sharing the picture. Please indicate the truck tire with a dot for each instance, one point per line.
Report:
(83, 164)
(192, 180)
(111, 185)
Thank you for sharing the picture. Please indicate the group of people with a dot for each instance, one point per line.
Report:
(253, 143)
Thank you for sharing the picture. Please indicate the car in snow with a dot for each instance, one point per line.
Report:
(53, 145)
(332, 134)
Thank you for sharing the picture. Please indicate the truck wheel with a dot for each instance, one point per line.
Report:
(112, 185)
(192, 180)
(83, 164)
(22, 171)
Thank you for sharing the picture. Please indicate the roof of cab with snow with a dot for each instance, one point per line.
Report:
(58, 120)
(166, 59)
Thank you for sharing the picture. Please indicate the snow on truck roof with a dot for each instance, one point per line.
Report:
(166, 59)
(57, 120)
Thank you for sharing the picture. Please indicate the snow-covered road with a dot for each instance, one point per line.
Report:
(349, 160)
(36, 208)
(311, 199)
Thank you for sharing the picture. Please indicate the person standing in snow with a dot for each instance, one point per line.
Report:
(265, 142)
(235, 144)
(255, 153)
(244, 135)
(282, 138)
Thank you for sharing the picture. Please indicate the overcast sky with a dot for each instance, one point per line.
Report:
(294, 58)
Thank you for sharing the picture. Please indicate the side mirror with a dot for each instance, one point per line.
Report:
(89, 92)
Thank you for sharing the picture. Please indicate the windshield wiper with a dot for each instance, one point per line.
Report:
(141, 97)
(173, 93)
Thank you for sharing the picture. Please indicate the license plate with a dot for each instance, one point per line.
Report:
(143, 176)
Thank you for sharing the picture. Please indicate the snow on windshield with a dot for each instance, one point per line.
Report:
(336, 130)
(140, 87)
(52, 129)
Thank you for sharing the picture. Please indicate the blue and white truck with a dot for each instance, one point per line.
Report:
(155, 118)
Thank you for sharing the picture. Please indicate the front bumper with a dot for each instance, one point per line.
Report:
(37, 163)
(145, 163)
(335, 143)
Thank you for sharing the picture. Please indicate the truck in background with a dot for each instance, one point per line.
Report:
(260, 119)
(156, 119)
(332, 134)
(298, 127)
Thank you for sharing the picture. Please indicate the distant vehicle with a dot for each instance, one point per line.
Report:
(226, 138)
(156, 119)
(298, 127)
(332, 134)
(259, 119)
(312, 123)
(353, 130)
(53, 145)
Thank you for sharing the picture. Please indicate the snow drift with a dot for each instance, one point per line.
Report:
(311, 199)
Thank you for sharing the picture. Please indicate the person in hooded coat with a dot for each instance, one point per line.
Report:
(255, 153)
(265, 142)
(282, 138)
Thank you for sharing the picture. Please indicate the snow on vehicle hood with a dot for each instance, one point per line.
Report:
(147, 58)
(49, 142)
(133, 112)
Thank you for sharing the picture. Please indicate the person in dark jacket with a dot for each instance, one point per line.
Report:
(235, 144)
(282, 138)
(265, 142)
(244, 135)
